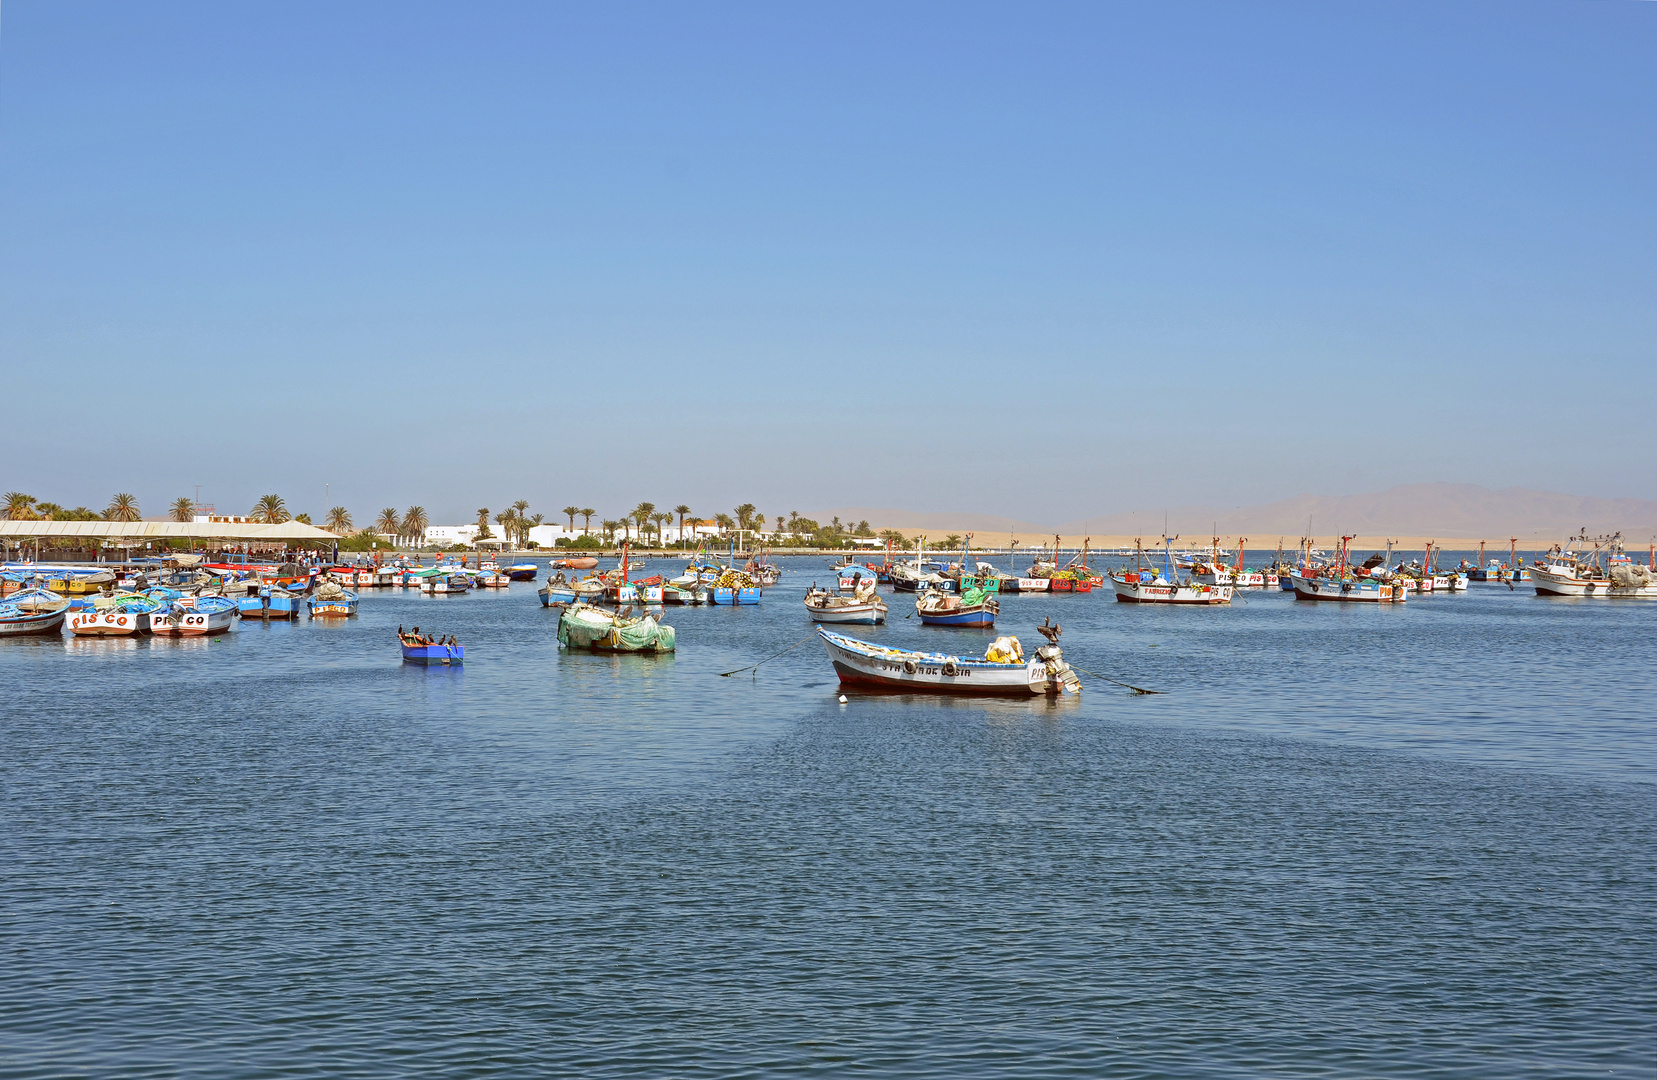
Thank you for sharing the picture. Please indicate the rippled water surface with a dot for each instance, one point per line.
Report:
(1348, 841)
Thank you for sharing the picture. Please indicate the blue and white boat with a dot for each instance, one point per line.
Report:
(972, 608)
(270, 602)
(32, 612)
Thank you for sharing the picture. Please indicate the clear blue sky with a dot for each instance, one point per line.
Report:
(1038, 260)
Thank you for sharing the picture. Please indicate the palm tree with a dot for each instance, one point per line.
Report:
(570, 512)
(586, 513)
(49, 511)
(123, 507)
(339, 521)
(507, 519)
(388, 524)
(745, 515)
(534, 521)
(641, 515)
(483, 517)
(724, 521)
(660, 519)
(19, 507)
(683, 511)
(759, 523)
(183, 509)
(270, 510)
(306, 518)
(609, 529)
(414, 524)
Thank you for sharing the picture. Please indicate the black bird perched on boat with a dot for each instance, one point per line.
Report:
(1050, 630)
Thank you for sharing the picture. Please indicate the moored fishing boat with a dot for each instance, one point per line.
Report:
(1594, 567)
(1002, 670)
(974, 607)
(1340, 583)
(675, 592)
(1146, 585)
(194, 616)
(131, 615)
(32, 613)
(864, 607)
(424, 649)
(848, 578)
(331, 600)
(269, 603)
(583, 626)
(579, 562)
(733, 588)
(522, 571)
(557, 590)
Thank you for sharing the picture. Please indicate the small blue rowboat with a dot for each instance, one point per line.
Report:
(417, 651)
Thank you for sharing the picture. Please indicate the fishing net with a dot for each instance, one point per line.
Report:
(586, 628)
(1628, 576)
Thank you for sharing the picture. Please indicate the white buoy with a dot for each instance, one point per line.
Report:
(842, 699)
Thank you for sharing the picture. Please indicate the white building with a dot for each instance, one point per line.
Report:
(548, 535)
(451, 535)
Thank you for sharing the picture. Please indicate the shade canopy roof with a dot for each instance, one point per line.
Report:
(164, 530)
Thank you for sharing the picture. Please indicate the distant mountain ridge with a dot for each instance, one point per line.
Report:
(1464, 511)
(1449, 511)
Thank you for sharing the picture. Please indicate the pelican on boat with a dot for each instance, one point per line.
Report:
(421, 648)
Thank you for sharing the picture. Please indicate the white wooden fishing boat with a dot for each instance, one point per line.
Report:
(1604, 570)
(864, 663)
(1349, 589)
(193, 616)
(1135, 587)
(111, 622)
(863, 608)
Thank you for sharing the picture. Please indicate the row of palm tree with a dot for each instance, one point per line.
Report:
(17, 506)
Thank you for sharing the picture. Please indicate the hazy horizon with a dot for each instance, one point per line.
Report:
(1042, 263)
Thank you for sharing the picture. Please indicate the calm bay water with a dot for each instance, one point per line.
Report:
(1415, 841)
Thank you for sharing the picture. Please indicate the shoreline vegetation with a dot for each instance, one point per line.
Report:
(646, 530)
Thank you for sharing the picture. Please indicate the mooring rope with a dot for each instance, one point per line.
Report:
(1118, 682)
(773, 656)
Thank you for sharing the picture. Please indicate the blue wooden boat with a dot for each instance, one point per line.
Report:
(747, 594)
(972, 608)
(336, 607)
(556, 591)
(32, 612)
(522, 571)
(270, 603)
(417, 650)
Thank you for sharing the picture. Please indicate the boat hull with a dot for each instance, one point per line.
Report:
(192, 623)
(1349, 592)
(333, 609)
(732, 597)
(1555, 583)
(49, 624)
(108, 623)
(849, 614)
(445, 655)
(861, 663)
(1165, 592)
